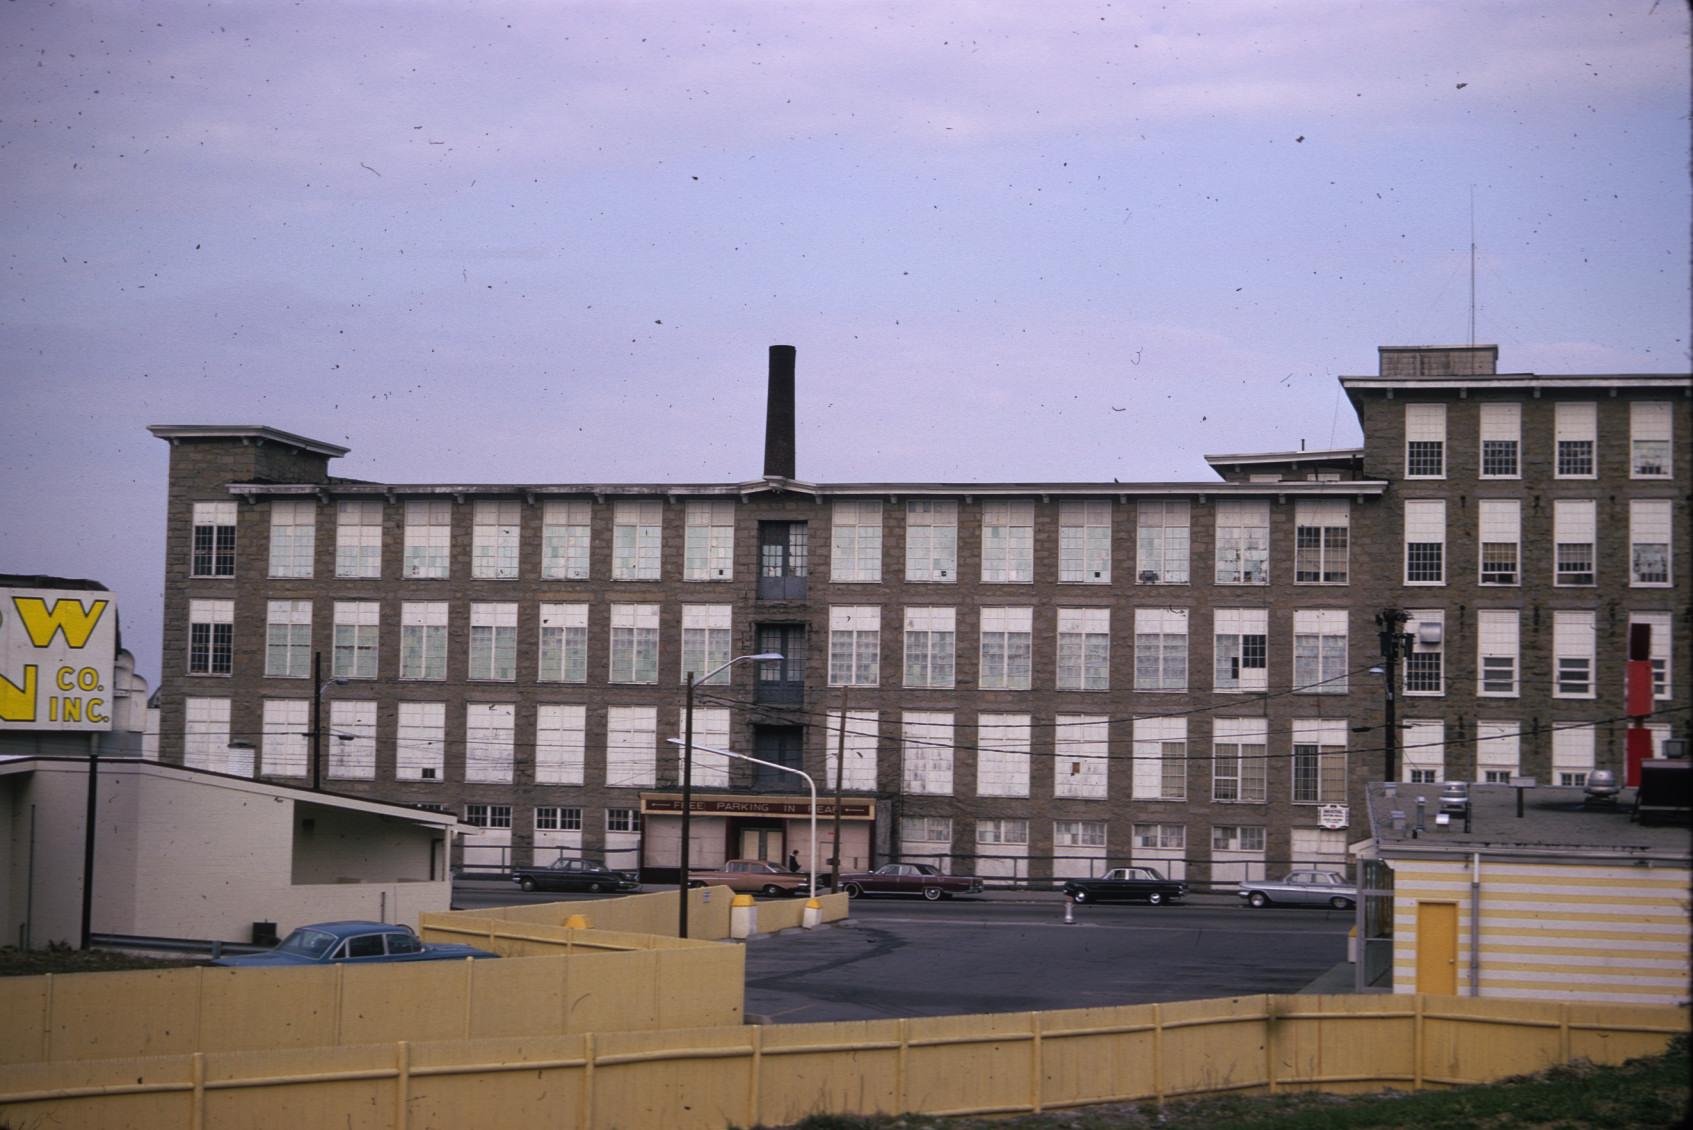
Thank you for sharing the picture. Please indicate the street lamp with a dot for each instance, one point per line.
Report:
(322, 685)
(688, 780)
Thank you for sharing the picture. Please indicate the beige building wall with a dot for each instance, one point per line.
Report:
(191, 855)
(1548, 931)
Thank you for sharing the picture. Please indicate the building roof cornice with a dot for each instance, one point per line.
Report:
(1526, 382)
(247, 433)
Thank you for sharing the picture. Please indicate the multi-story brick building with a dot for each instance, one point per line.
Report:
(1038, 679)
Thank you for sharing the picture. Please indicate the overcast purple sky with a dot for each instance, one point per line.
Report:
(550, 242)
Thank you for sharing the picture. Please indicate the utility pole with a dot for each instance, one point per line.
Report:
(1394, 643)
(840, 770)
(317, 721)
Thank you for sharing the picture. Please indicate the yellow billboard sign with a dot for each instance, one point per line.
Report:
(56, 653)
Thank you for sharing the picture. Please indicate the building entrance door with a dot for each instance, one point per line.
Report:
(763, 843)
(1437, 948)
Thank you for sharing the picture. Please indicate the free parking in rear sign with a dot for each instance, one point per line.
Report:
(56, 653)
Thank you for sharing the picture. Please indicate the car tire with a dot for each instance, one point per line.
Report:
(1257, 900)
(932, 894)
(853, 891)
(595, 888)
(1155, 899)
(771, 890)
(527, 884)
(695, 884)
(1340, 903)
(1081, 896)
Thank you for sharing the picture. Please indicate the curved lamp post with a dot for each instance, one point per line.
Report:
(688, 780)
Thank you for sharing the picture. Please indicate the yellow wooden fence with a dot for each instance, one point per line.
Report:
(720, 1076)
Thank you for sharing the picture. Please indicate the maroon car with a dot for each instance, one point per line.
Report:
(909, 879)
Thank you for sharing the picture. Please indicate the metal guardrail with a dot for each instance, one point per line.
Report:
(211, 947)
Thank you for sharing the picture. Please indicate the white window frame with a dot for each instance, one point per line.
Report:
(1161, 649)
(211, 637)
(1322, 536)
(1241, 639)
(1575, 542)
(927, 752)
(423, 640)
(205, 734)
(634, 644)
(1243, 541)
(1651, 425)
(1498, 755)
(707, 643)
(1002, 754)
(1081, 761)
(561, 744)
(356, 639)
(931, 541)
(420, 742)
(293, 537)
(428, 540)
(623, 821)
(1425, 425)
(563, 643)
(855, 645)
(1008, 541)
(1572, 755)
(1650, 541)
(931, 646)
(708, 542)
(711, 731)
(1084, 649)
(1319, 766)
(1423, 751)
(631, 750)
(1002, 830)
(496, 535)
(1084, 542)
(566, 539)
(351, 740)
(1006, 657)
(493, 642)
(855, 541)
(1163, 542)
(284, 745)
(358, 540)
(1574, 639)
(1498, 652)
(1499, 525)
(1423, 657)
(1239, 761)
(862, 743)
(1575, 440)
(288, 635)
(1502, 428)
(1425, 527)
(1320, 647)
(637, 539)
(1160, 752)
(211, 546)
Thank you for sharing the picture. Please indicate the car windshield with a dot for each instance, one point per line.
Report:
(307, 943)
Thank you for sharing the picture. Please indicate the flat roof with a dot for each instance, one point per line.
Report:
(1555, 823)
(259, 433)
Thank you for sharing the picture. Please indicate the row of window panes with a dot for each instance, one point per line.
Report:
(1321, 541)
(1575, 440)
(1574, 542)
(551, 819)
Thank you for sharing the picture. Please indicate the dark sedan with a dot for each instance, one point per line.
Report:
(1127, 884)
(909, 879)
(355, 943)
(574, 875)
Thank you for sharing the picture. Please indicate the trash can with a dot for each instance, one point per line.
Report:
(264, 934)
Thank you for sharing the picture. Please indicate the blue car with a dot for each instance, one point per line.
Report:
(358, 943)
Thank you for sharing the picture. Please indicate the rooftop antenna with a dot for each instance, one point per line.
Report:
(1472, 264)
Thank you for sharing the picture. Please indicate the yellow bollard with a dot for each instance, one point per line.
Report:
(576, 922)
(1069, 911)
(813, 916)
(743, 917)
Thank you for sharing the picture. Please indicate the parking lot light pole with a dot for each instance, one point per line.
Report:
(322, 685)
(688, 781)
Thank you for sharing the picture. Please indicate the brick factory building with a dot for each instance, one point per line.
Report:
(1038, 679)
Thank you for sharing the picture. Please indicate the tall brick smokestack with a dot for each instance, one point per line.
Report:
(779, 414)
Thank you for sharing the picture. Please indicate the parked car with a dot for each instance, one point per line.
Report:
(357, 943)
(1128, 884)
(908, 879)
(1301, 888)
(574, 875)
(753, 876)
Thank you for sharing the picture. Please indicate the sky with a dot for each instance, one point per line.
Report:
(552, 242)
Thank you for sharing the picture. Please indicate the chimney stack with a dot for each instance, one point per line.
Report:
(779, 415)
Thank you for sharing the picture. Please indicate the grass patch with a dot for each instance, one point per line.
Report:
(1651, 1092)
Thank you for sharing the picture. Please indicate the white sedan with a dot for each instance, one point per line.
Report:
(1301, 888)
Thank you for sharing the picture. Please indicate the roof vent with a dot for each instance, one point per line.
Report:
(1455, 797)
(1601, 790)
